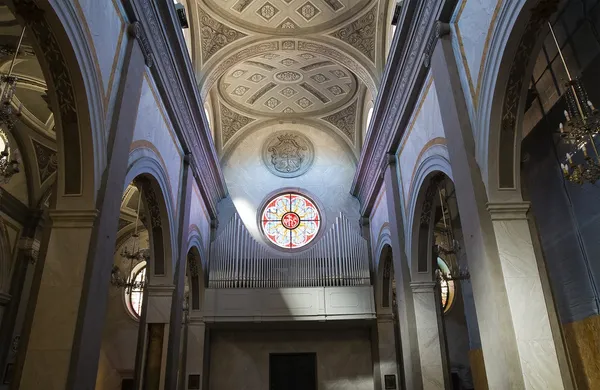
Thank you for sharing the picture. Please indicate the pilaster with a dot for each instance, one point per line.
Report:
(529, 311)
(432, 352)
(406, 313)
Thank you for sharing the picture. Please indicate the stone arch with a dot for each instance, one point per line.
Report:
(75, 93)
(428, 167)
(195, 275)
(421, 263)
(146, 161)
(146, 174)
(514, 46)
(385, 275)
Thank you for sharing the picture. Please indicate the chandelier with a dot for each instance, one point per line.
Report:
(448, 246)
(9, 165)
(582, 125)
(132, 257)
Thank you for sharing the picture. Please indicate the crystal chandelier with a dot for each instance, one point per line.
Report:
(582, 124)
(131, 256)
(9, 165)
(448, 246)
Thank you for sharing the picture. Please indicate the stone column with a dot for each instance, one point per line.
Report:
(513, 359)
(153, 338)
(531, 309)
(63, 344)
(195, 351)
(51, 339)
(406, 312)
(432, 350)
(386, 343)
(173, 353)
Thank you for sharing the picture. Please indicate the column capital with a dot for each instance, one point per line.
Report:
(135, 30)
(423, 287)
(160, 290)
(507, 211)
(196, 320)
(385, 317)
(73, 218)
(30, 248)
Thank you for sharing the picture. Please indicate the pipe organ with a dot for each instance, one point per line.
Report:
(339, 258)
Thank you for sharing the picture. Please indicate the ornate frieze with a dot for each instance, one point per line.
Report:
(215, 35)
(231, 122)
(345, 120)
(402, 70)
(288, 154)
(47, 160)
(360, 34)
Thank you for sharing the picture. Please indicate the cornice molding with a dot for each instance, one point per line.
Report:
(403, 78)
(174, 76)
(509, 211)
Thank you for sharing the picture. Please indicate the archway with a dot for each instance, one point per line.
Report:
(441, 286)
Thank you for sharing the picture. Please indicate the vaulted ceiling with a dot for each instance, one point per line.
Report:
(288, 60)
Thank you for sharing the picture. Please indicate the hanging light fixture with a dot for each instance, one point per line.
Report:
(132, 257)
(448, 246)
(582, 124)
(9, 164)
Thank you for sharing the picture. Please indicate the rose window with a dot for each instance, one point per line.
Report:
(290, 220)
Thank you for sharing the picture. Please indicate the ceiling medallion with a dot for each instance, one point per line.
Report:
(288, 154)
(288, 76)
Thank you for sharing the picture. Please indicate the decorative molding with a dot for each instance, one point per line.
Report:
(46, 159)
(360, 34)
(231, 123)
(345, 120)
(68, 118)
(423, 287)
(136, 31)
(439, 30)
(174, 76)
(510, 211)
(72, 219)
(215, 35)
(514, 91)
(399, 90)
(288, 154)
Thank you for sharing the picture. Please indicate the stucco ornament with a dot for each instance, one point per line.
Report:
(288, 154)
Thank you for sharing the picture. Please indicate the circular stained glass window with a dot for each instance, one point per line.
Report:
(290, 220)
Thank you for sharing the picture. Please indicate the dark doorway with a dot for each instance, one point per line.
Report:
(293, 371)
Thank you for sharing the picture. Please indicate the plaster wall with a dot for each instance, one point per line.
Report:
(104, 25)
(473, 25)
(423, 139)
(379, 220)
(239, 360)
(154, 132)
(199, 217)
(327, 181)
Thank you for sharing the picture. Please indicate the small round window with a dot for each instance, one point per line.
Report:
(134, 295)
(290, 220)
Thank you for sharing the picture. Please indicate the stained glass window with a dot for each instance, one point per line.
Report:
(446, 286)
(290, 220)
(135, 295)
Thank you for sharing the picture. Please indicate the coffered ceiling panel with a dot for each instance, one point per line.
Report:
(287, 82)
(286, 17)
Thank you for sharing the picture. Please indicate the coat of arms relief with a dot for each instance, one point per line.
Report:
(288, 154)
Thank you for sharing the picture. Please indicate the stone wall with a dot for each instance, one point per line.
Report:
(239, 360)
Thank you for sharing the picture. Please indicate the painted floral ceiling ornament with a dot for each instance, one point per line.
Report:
(288, 154)
(290, 221)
